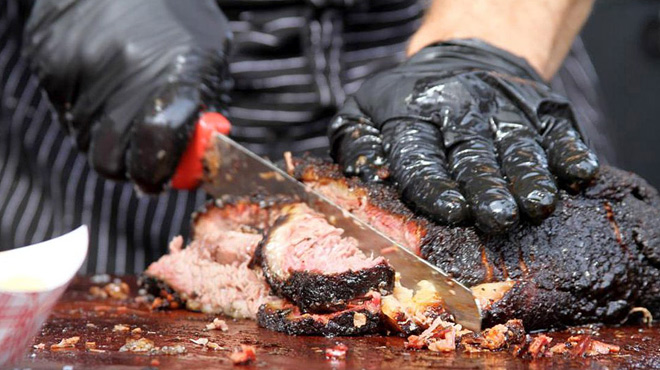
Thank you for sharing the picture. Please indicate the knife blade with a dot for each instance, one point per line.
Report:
(231, 169)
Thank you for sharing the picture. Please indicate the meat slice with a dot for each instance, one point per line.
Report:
(359, 317)
(212, 274)
(308, 261)
(593, 260)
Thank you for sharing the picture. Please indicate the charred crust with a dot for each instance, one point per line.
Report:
(160, 294)
(314, 292)
(287, 320)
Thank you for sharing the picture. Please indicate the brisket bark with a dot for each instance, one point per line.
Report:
(359, 317)
(595, 259)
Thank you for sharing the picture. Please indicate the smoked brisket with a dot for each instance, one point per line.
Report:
(592, 261)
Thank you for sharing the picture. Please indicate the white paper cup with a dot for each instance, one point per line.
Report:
(32, 279)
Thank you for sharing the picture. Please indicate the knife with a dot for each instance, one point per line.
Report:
(224, 167)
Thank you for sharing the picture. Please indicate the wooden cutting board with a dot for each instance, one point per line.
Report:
(93, 320)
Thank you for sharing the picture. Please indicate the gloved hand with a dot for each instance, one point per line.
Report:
(129, 78)
(467, 130)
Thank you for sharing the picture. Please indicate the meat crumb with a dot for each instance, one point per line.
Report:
(445, 341)
(39, 346)
(440, 336)
(499, 337)
(583, 346)
(288, 160)
(217, 324)
(98, 292)
(172, 350)
(200, 341)
(337, 352)
(539, 345)
(136, 331)
(120, 328)
(137, 345)
(415, 342)
(244, 356)
(66, 343)
(359, 320)
(116, 290)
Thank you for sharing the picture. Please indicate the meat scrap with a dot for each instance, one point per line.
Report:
(498, 337)
(338, 352)
(440, 336)
(121, 328)
(200, 341)
(244, 355)
(137, 345)
(444, 336)
(583, 346)
(411, 312)
(66, 343)
(116, 290)
(217, 324)
(538, 346)
(171, 350)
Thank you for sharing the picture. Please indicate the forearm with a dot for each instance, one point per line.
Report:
(540, 31)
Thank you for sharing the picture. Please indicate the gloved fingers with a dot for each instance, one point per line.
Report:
(418, 164)
(568, 156)
(523, 163)
(160, 135)
(109, 131)
(356, 144)
(473, 164)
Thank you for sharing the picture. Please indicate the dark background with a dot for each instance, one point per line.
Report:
(623, 38)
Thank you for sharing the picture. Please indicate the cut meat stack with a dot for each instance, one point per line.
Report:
(594, 260)
(241, 248)
(213, 273)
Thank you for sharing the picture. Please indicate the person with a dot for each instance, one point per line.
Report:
(449, 101)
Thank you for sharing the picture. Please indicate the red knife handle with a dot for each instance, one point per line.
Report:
(190, 169)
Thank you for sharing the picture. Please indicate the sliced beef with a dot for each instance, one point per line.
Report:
(359, 317)
(310, 262)
(212, 274)
(596, 258)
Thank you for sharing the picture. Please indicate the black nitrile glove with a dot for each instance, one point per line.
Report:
(466, 130)
(129, 78)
